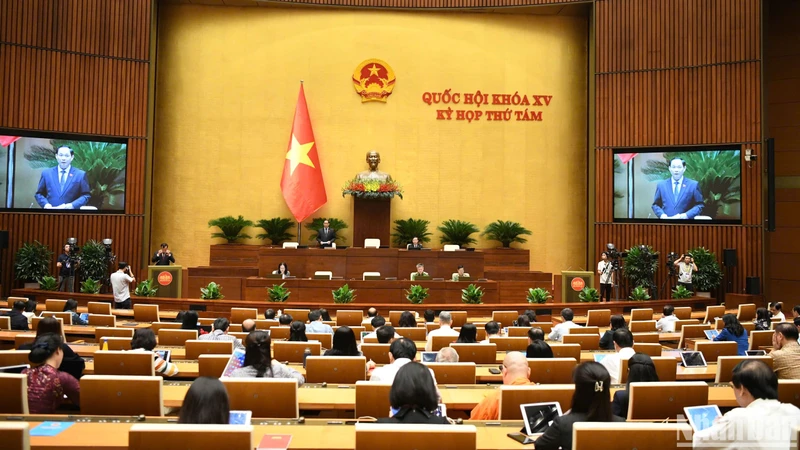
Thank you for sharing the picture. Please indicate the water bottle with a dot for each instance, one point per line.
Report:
(279, 313)
(306, 354)
(105, 344)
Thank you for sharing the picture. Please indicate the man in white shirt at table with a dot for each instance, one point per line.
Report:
(445, 320)
(623, 344)
(561, 329)
(316, 325)
(762, 421)
(666, 324)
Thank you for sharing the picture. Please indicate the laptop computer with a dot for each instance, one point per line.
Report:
(428, 357)
(701, 417)
(240, 417)
(538, 416)
(14, 369)
(364, 334)
(755, 352)
(236, 361)
(598, 357)
(711, 334)
(166, 355)
(693, 359)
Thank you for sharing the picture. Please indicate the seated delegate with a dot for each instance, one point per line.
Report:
(258, 362)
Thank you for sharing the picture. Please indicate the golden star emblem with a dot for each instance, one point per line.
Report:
(373, 70)
(298, 154)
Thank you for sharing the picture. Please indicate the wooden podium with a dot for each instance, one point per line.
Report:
(572, 282)
(167, 279)
(372, 218)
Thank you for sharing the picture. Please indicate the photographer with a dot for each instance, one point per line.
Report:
(604, 269)
(121, 283)
(163, 257)
(686, 267)
(66, 270)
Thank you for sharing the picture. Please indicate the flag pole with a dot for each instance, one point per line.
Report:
(298, 232)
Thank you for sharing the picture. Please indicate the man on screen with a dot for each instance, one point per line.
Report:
(677, 197)
(63, 186)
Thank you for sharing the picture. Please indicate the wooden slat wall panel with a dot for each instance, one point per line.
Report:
(116, 28)
(680, 72)
(703, 105)
(677, 33)
(50, 90)
(399, 4)
(77, 66)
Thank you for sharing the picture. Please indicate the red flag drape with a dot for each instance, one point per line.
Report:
(301, 184)
(625, 157)
(5, 141)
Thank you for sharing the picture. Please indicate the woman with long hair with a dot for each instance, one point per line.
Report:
(71, 363)
(344, 343)
(297, 331)
(734, 332)
(144, 339)
(407, 320)
(640, 369)
(413, 397)
(607, 341)
(206, 402)
(47, 386)
(591, 402)
(71, 306)
(283, 270)
(468, 334)
(258, 362)
(763, 321)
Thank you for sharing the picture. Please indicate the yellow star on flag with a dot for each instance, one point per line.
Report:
(298, 154)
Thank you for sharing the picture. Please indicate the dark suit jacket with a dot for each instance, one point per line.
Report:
(559, 433)
(18, 321)
(76, 189)
(163, 259)
(418, 246)
(322, 236)
(619, 405)
(690, 199)
(607, 341)
(72, 363)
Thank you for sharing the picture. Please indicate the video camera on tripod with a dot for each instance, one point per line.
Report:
(671, 258)
(74, 250)
(614, 256)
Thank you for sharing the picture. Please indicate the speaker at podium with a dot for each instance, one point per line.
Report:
(573, 282)
(167, 279)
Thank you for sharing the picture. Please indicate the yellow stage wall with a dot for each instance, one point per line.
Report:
(227, 83)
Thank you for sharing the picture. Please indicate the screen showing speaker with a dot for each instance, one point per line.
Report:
(678, 185)
(61, 173)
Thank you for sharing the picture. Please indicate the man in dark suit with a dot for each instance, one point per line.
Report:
(18, 320)
(63, 186)
(326, 235)
(677, 197)
(163, 256)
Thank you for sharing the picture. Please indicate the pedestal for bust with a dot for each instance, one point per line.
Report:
(372, 218)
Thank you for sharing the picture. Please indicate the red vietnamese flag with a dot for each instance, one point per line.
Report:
(5, 141)
(625, 157)
(301, 183)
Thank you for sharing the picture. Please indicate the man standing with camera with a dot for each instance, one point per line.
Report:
(121, 285)
(66, 270)
(686, 267)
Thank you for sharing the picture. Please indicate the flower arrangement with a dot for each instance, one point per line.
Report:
(372, 189)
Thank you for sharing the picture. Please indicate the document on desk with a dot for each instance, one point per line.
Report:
(50, 428)
(275, 442)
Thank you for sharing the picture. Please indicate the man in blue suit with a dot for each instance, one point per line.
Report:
(63, 186)
(677, 197)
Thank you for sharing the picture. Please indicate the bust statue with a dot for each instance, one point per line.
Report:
(373, 159)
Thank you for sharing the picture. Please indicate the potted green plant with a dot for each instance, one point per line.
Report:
(146, 288)
(589, 295)
(48, 283)
(417, 294)
(276, 229)
(717, 174)
(639, 294)
(681, 292)
(316, 224)
(407, 229)
(457, 232)
(640, 266)
(32, 263)
(709, 274)
(230, 228)
(278, 293)
(344, 295)
(90, 286)
(212, 292)
(472, 295)
(538, 295)
(94, 261)
(506, 232)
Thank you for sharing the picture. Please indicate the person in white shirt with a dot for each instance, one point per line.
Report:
(604, 269)
(121, 286)
(666, 324)
(623, 344)
(492, 330)
(761, 422)
(377, 323)
(561, 329)
(219, 332)
(315, 324)
(686, 267)
(777, 312)
(401, 352)
(445, 319)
